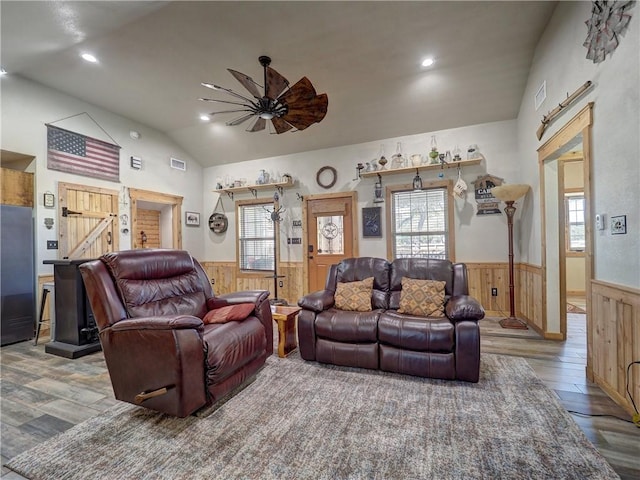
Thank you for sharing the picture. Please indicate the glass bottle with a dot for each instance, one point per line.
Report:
(433, 154)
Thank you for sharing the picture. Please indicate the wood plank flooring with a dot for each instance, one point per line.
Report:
(42, 395)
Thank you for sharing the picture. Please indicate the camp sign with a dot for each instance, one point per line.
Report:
(487, 203)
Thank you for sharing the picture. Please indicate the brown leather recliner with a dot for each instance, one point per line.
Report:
(445, 347)
(149, 305)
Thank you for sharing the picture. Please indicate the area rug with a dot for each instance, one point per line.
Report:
(303, 420)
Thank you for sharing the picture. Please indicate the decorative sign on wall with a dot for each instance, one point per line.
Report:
(74, 153)
(487, 203)
(371, 223)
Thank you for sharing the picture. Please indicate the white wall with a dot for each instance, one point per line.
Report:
(478, 239)
(560, 60)
(28, 106)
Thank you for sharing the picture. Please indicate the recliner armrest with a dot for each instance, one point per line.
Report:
(175, 322)
(463, 307)
(317, 301)
(249, 296)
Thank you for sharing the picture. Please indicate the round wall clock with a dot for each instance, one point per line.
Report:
(608, 22)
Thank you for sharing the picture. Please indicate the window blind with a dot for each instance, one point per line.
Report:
(419, 225)
(256, 237)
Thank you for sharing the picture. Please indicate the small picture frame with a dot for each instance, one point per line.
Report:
(619, 225)
(49, 200)
(192, 219)
(371, 223)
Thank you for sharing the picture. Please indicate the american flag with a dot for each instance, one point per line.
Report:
(74, 153)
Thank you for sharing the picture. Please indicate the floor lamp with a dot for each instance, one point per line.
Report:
(509, 194)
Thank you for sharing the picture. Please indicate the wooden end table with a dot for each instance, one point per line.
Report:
(286, 318)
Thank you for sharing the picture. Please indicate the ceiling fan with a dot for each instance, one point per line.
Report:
(296, 107)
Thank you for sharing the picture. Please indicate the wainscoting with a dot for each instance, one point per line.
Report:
(226, 278)
(614, 340)
(529, 298)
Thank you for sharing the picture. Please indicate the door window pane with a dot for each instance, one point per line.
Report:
(330, 235)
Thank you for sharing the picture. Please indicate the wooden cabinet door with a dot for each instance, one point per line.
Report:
(88, 221)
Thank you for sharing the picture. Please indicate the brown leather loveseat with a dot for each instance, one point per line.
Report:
(149, 306)
(444, 342)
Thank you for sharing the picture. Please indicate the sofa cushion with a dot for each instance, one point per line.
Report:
(239, 311)
(422, 297)
(416, 333)
(348, 326)
(354, 269)
(354, 296)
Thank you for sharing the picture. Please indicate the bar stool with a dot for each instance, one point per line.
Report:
(46, 288)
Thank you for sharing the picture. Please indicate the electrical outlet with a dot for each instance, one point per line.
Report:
(494, 292)
(52, 244)
(281, 284)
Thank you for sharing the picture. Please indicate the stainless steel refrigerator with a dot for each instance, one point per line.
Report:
(17, 274)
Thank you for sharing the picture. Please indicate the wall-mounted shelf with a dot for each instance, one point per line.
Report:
(253, 189)
(420, 168)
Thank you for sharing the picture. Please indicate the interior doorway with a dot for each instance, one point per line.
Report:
(167, 230)
(330, 234)
(566, 154)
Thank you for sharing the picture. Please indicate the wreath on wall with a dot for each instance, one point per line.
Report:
(609, 21)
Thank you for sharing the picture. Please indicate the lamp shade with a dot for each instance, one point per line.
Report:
(510, 193)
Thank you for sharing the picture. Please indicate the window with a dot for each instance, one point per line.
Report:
(574, 207)
(255, 236)
(420, 222)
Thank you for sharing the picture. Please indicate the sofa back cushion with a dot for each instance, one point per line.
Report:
(157, 282)
(421, 269)
(357, 269)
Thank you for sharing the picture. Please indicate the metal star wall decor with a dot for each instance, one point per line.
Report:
(609, 21)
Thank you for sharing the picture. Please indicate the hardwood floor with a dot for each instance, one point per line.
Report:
(42, 395)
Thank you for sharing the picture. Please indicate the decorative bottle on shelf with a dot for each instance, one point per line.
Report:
(382, 160)
(433, 154)
(263, 177)
(456, 154)
(398, 160)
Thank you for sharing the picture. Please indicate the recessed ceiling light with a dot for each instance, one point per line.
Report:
(205, 118)
(89, 58)
(427, 62)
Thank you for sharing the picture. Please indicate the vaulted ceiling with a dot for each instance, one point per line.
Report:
(365, 55)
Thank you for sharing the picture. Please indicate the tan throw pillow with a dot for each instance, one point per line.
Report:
(422, 297)
(239, 311)
(354, 296)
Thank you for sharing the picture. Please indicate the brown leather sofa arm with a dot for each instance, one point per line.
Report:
(260, 298)
(158, 323)
(463, 307)
(317, 301)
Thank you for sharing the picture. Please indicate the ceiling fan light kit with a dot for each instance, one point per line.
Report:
(298, 106)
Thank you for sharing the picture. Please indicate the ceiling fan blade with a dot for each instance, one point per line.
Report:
(280, 125)
(301, 90)
(228, 90)
(240, 120)
(303, 114)
(224, 101)
(231, 111)
(247, 82)
(259, 125)
(275, 83)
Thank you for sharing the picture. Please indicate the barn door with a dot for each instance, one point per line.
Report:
(88, 221)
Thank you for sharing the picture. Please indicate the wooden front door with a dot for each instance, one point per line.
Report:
(331, 234)
(88, 221)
